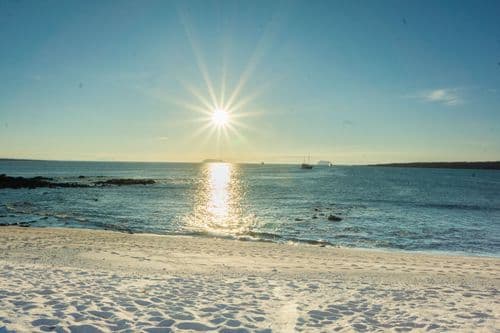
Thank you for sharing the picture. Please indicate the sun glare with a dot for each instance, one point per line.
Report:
(220, 117)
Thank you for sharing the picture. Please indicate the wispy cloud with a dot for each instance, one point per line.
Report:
(445, 96)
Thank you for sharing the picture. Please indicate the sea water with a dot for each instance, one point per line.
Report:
(389, 208)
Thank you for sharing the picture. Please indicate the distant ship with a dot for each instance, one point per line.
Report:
(307, 165)
(325, 163)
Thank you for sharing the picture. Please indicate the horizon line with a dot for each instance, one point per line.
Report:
(238, 162)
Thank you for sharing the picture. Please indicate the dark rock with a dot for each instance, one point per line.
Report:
(334, 218)
(42, 178)
(315, 216)
(125, 181)
(68, 185)
(35, 182)
(22, 182)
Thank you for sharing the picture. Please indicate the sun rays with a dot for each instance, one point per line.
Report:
(217, 119)
(219, 104)
(220, 80)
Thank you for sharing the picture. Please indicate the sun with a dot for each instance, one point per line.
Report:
(220, 117)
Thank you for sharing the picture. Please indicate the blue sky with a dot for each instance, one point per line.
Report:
(347, 81)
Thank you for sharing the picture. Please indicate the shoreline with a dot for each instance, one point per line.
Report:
(69, 279)
(247, 238)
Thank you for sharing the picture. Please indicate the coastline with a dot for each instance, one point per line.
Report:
(71, 279)
(278, 240)
(378, 209)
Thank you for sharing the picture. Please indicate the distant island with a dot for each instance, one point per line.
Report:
(212, 160)
(493, 165)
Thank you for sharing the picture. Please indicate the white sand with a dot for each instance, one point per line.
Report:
(72, 280)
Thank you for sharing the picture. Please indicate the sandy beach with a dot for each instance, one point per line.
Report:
(70, 280)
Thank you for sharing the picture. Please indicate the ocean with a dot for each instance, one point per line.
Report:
(444, 210)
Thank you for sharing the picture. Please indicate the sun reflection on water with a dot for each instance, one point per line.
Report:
(219, 178)
(218, 202)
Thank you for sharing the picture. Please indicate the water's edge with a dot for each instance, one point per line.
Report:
(299, 242)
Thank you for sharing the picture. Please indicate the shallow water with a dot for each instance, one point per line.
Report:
(393, 208)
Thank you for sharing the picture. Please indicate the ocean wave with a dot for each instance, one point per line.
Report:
(458, 206)
(254, 236)
(28, 208)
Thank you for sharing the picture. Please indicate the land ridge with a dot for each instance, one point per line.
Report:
(487, 165)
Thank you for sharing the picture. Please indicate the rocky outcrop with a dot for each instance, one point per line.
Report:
(125, 181)
(34, 182)
(334, 218)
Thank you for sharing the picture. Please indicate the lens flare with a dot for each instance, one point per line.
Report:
(220, 117)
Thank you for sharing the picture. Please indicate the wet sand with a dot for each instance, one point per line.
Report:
(71, 280)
